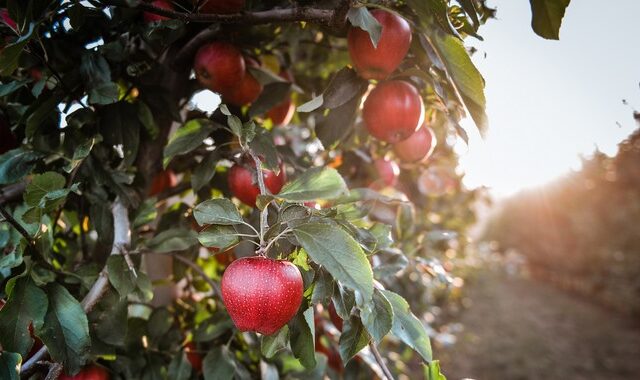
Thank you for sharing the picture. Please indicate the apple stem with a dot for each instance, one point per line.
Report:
(380, 361)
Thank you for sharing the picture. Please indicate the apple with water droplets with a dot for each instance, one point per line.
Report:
(261, 294)
(393, 111)
(377, 63)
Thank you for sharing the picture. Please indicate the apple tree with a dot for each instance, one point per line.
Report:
(288, 231)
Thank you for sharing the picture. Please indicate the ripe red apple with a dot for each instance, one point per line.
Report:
(417, 147)
(248, 90)
(283, 112)
(388, 172)
(393, 111)
(244, 184)
(261, 294)
(92, 372)
(222, 6)
(395, 39)
(7, 140)
(166, 179)
(193, 356)
(151, 17)
(219, 66)
(4, 15)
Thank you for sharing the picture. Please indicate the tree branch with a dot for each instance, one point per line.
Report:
(381, 363)
(197, 268)
(12, 192)
(264, 225)
(313, 15)
(121, 239)
(15, 224)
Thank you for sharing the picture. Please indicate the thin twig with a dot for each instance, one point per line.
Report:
(10, 219)
(381, 363)
(55, 369)
(265, 211)
(121, 239)
(273, 241)
(197, 268)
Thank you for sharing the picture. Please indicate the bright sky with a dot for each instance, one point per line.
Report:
(550, 101)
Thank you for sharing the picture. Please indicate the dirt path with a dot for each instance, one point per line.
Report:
(516, 329)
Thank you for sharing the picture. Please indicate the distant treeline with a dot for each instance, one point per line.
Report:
(583, 230)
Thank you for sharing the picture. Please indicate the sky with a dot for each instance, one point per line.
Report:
(549, 102)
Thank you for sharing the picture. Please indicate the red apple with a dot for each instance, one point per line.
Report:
(4, 15)
(261, 294)
(244, 184)
(164, 180)
(417, 147)
(395, 39)
(92, 372)
(7, 140)
(219, 66)
(248, 90)
(151, 17)
(193, 356)
(222, 6)
(393, 111)
(283, 112)
(388, 172)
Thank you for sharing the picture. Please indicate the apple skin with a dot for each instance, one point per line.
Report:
(152, 17)
(261, 294)
(388, 172)
(223, 6)
(418, 147)
(283, 112)
(162, 181)
(92, 372)
(245, 187)
(194, 358)
(219, 66)
(393, 111)
(4, 15)
(7, 139)
(248, 90)
(395, 39)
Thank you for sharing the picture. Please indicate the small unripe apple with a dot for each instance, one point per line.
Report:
(219, 66)
(194, 357)
(248, 90)
(92, 372)
(151, 17)
(164, 180)
(387, 170)
(7, 139)
(417, 147)
(393, 111)
(261, 294)
(395, 39)
(244, 184)
(222, 6)
(282, 113)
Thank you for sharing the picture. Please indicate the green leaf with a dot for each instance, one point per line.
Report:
(218, 364)
(271, 344)
(547, 17)
(377, 316)
(46, 191)
(119, 126)
(272, 95)
(354, 338)
(176, 239)
(220, 237)
(204, 172)
(343, 88)
(217, 211)
(15, 164)
(146, 119)
(180, 368)
(10, 363)
(334, 127)
(361, 17)
(187, 138)
(302, 338)
(160, 323)
(322, 287)
(465, 76)
(429, 11)
(10, 54)
(330, 246)
(407, 327)
(109, 318)
(311, 105)
(391, 261)
(315, 183)
(432, 371)
(66, 330)
(105, 93)
(213, 327)
(11, 87)
(27, 304)
(262, 145)
(120, 276)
